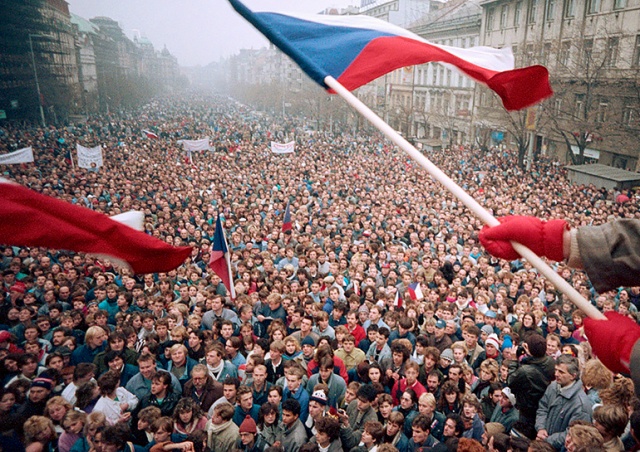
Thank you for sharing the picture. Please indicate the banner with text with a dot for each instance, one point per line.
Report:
(196, 145)
(283, 148)
(24, 155)
(89, 158)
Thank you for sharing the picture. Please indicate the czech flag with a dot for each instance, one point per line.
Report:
(358, 49)
(220, 261)
(415, 292)
(28, 218)
(150, 134)
(286, 222)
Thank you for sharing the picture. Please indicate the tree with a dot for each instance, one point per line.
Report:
(587, 87)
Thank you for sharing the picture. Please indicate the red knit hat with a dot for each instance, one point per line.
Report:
(248, 426)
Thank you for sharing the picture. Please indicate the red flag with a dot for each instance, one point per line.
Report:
(28, 218)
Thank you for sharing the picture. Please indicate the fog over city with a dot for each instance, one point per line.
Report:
(197, 32)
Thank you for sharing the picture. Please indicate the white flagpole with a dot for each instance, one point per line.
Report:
(463, 196)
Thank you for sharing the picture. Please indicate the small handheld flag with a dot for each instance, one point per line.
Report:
(220, 261)
(150, 134)
(358, 49)
(286, 222)
(415, 292)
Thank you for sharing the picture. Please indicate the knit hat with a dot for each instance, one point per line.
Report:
(319, 396)
(42, 383)
(493, 340)
(537, 345)
(507, 392)
(248, 425)
(18, 287)
(363, 308)
(487, 329)
(507, 342)
(308, 340)
(5, 336)
(447, 353)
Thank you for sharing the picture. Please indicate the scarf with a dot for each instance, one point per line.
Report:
(216, 371)
(218, 428)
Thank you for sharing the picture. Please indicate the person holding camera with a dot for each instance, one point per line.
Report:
(530, 375)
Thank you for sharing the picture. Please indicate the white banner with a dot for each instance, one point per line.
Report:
(89, 158)
(196, 145)
(283, 148)
(24, 155)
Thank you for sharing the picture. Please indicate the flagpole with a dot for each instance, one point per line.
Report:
(463, 196)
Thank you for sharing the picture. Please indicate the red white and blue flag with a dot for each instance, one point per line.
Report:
(358, 49)
(28, 218)
(286, 222)
(150, 134)
(415, 292)
(220, 261)
(397, 301)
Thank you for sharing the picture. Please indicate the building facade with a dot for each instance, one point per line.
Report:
(592, 51)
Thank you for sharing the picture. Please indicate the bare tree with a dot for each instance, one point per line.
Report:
(587, 86)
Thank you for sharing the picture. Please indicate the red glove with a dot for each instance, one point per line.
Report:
(612, 340)
(545, 238)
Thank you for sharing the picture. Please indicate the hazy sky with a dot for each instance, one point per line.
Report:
(197, 32)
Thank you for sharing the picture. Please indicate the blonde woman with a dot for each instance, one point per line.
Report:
(39, 434)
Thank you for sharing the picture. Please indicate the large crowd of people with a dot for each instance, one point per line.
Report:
(378, 322)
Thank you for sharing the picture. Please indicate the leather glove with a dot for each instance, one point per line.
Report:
(612, 340)
(545, 238)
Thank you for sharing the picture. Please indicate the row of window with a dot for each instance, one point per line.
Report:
(600, 111)
(608, 53)
(529, 11)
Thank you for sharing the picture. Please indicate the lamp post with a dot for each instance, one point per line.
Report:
(35, 74)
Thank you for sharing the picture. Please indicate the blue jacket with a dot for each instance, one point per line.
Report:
(84, 354)
(187, 373)
(302, 396)
(239, 415)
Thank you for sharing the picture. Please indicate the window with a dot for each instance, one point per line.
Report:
(504, 13)
(551, 9)
(593, 6)
(629, 116)
(529, 55)
(546, 53)
(517, 14)
(565, 53)
(613, 45)
(570, 9)
(533, 12)
(619, 4)
(489, 26)
(557, 107)
(603, 109)
(579, 110)
(636, 53)
(587, 49)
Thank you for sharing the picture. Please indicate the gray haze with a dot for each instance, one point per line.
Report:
(197, 32)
